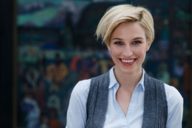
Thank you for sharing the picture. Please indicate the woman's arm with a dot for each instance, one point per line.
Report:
(76, 113)
(175, 107)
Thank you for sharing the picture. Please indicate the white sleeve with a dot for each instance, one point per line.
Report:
(76, 113)
(175, 107)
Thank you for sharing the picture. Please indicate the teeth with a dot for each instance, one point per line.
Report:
(127, 61)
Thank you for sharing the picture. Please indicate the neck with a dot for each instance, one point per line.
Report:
(128, 79)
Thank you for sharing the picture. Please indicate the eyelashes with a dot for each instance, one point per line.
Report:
(120, 43)
(136, 42)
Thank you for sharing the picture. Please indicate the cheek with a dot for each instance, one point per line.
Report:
(143, 50)
(111, 51)
(113, 54)
(140, 53)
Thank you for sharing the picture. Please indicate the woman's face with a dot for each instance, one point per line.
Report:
(128, 46)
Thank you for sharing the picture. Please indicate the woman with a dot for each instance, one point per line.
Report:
(125, 97)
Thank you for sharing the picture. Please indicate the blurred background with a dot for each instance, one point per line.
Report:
(54, 46)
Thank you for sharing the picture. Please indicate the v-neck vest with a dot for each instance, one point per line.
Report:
(155, 103)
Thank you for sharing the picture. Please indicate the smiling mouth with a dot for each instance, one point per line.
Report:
(127, 61)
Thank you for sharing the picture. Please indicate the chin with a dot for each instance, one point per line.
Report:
(128, 71)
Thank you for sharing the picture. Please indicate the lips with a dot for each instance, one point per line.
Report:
(127, 61)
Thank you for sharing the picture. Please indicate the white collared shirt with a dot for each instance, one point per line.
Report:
(115, 117)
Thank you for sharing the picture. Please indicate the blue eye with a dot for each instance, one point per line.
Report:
(137, 42)
(118, 43)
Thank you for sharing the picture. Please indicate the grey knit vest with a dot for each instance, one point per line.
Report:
(155, 103)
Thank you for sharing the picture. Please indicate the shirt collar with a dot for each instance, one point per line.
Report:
(113, 80)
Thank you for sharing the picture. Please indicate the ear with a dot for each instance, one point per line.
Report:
(109, 49)
(108, 46)
(148, 46)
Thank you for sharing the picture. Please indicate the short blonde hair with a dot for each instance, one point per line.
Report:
(125, 13)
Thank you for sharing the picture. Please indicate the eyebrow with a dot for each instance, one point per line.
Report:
(116, 39)
(136, 38)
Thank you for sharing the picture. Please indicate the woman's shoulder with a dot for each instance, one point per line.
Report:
(173, 95)
(82, 87)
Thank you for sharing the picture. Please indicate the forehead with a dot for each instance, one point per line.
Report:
(128, 30)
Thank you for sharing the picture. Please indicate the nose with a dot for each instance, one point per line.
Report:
(127, 51)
